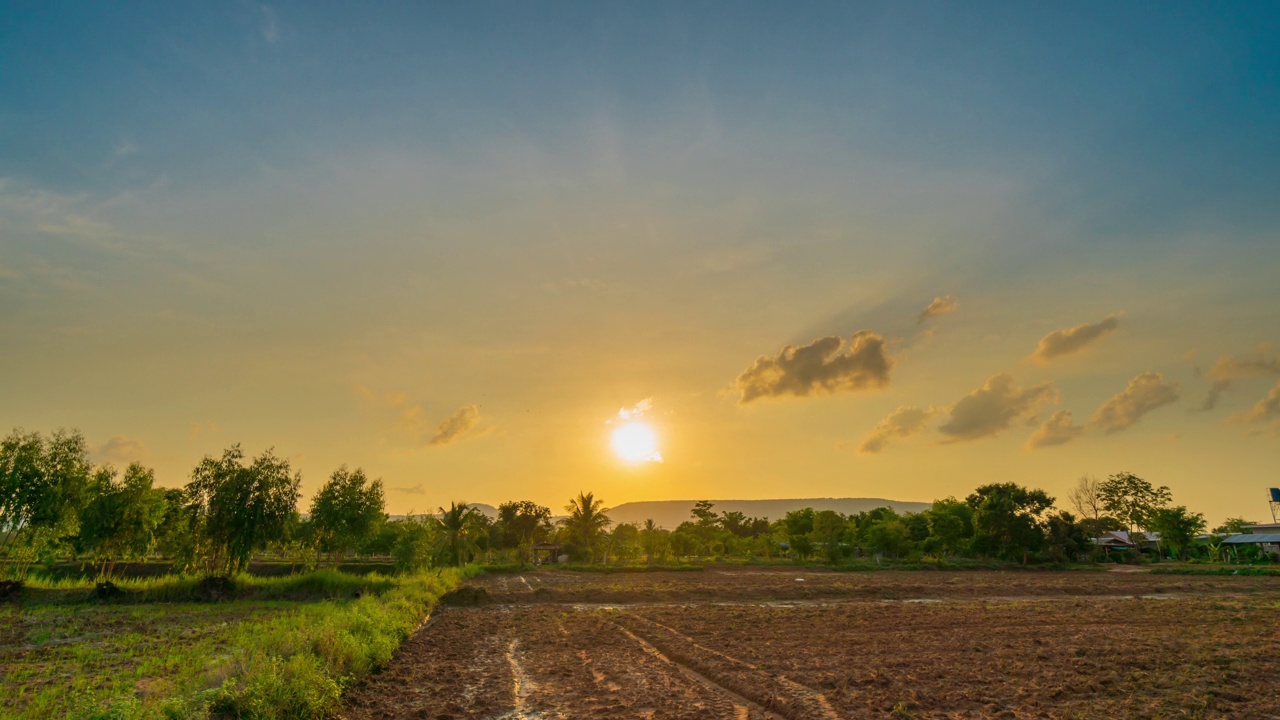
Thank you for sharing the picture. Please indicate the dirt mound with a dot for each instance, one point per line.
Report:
(465, 596)
(215, 588)
(107, 591)
(9, 589)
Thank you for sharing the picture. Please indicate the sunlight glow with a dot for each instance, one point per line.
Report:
(636, 443)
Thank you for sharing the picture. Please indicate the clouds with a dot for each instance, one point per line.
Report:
(636, 411)
(122, 450)
(825, 366)
(413, 424)
(1059, 429)
(1227, 370)
(901, 423)
(1265, 410)
(1075, 339)
(940, 306)
(990, 409)
(1145, 392)
(461, 424)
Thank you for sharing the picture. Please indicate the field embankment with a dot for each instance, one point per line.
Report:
(280, 647)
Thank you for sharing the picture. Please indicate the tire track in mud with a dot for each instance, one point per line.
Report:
(742, 706)
(522, 686)
(774, 695)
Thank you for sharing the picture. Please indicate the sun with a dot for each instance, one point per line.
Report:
(636, 443)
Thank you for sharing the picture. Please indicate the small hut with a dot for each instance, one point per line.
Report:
(552, 551)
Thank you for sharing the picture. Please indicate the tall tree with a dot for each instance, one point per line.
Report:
(121, 520)
(586, 521)
(1065, 538)
(950, 525)
(459, 527)
(520, 524)
(703, 515)
(1132, 500)
(347, 511)
(1007, 520)
(240, 508)
(44, 483)
(652, 540)
(1178, 528)
(1086, 497)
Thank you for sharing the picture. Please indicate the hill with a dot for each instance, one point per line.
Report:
(670, 513)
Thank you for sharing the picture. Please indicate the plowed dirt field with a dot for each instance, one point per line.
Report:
(786, 643)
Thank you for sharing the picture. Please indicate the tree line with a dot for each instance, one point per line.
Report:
(57, 505)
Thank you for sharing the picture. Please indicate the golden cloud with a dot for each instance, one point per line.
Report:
(1145, 392)
(901, 423)
(940, 306)
(1071, 340)
(1265, 410)
(1059, 429)
(1226, 370)
(825, 366)
(990, 409)
(462, 423)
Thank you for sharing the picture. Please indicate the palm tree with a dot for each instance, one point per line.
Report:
(586, 519)
(457, 526)
(649, 539)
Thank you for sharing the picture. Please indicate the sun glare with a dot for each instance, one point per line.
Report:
(636, 442)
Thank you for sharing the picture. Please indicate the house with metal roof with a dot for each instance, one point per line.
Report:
(1267, 542)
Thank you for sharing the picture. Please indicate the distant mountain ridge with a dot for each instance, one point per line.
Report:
(670, 513)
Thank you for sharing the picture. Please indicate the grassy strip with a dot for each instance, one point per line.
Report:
(1227, 570)
(242, 659)
(327, 584)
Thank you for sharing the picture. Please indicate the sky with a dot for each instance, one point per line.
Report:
(895, 249)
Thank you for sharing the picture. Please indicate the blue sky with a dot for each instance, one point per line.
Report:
(313, 227)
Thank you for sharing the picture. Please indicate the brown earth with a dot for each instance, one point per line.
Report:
(757, 643)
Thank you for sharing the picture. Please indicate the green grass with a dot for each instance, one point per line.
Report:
(256, 658)
(1251, 570)
(327, 584)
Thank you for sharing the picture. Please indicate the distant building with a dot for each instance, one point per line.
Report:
(1266, 536)
(1122, 541)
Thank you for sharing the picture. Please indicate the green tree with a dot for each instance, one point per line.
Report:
(950, 525)
(120, 521)
(178, 536)
(704, 515)
(459, 527)
(1065, 539)
(801, 546)
(587, 521)
(520, 524)
(1178, 528)
(1233, 525)
(1132, 501)
(735, 523)
(653, 540)
(829, 529)
(799, 522)
(415, 544)
(347, 511)
(889, 536)
(624, 541)
(238, 508)
(44, 483)
(1007, 520)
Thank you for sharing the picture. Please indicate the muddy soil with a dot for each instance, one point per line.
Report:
(758, 644)
(784, 584)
